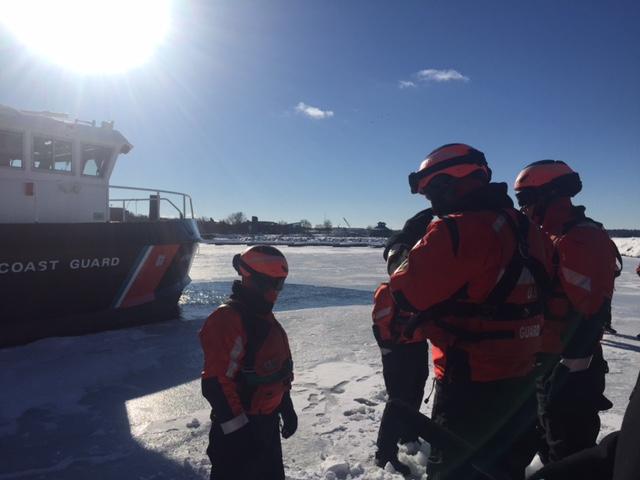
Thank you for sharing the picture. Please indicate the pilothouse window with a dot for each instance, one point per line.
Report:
(95, 159)
(11, 153)
(51, 154)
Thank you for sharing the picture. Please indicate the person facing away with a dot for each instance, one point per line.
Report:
(584, 266)
(474, 281)
(404, 358)
(248, 372)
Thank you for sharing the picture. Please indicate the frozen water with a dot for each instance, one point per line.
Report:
(127, 403)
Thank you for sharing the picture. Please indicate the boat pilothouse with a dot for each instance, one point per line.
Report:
(75, 254)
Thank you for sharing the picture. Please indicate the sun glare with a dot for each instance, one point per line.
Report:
(89, 36)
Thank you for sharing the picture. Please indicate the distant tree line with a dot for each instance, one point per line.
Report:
(623, 232)
(237, 223)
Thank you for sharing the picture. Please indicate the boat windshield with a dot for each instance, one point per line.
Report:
(51, 154)
(95, 159)
(11, 153)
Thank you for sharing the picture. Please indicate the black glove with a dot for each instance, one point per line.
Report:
(413, 230)
(288, 416)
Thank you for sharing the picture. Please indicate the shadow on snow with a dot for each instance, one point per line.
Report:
(634, 347)
(94, 439)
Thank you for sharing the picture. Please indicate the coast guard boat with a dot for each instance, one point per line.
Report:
(74, 256)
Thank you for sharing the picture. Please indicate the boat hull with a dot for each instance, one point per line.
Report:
(69, 279)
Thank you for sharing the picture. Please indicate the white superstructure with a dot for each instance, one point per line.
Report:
(55, 170)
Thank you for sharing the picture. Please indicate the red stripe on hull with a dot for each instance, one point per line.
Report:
(150, 275)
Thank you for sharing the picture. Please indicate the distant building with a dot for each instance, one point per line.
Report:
(381, 230)
(210, 227)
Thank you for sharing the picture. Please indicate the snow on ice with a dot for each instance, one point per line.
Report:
(127, 403)
(628, 246)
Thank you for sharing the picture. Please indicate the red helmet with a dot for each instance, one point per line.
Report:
(264, 263)
(454, 159)
(544, 180)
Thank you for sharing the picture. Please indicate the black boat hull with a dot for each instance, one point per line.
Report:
(69, 279)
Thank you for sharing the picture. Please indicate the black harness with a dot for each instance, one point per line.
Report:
(494, 306)
(257, 331)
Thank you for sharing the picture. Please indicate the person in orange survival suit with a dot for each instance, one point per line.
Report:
(248, 372)
(405, 372)
(475, 279)
(584, 266)
(404, 359)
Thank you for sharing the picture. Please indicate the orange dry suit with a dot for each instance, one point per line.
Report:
(247, 362)
(584, 265)
(571, 390)
(405, 371)
(473, 278)
(390, 323)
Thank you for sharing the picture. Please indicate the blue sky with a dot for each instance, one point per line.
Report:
(219, 110)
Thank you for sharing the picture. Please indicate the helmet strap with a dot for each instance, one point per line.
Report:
(540, 211)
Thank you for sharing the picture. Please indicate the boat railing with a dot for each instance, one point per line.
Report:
(156, 197)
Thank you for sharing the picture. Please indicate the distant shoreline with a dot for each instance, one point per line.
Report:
(297, 241)
(629, 247)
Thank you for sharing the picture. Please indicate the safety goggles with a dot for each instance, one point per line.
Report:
(414, 181)
(265, 283)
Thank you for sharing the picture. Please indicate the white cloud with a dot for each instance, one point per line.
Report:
(313, 112)
(406, 84)
(433, 75)
(429, 75)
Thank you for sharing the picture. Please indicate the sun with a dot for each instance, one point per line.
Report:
(89, 36)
